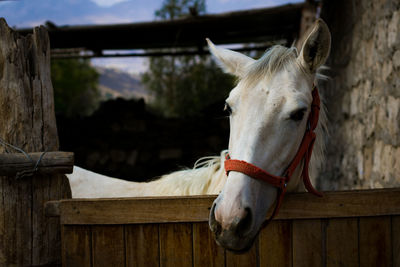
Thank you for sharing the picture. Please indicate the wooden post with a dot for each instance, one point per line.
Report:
(27, 119)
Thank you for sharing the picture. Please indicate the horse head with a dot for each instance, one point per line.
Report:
(268, 109)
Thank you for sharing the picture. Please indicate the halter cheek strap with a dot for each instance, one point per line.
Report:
(304, 152)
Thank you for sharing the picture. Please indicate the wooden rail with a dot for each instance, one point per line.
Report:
(197, 208)
(48, 162)
(354, 228)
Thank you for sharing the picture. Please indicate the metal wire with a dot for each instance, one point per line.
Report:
(26, 173)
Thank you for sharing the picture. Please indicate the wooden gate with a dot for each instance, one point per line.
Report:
(354, 228)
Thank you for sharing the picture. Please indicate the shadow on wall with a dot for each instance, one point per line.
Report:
(363, 150)
(122, 139)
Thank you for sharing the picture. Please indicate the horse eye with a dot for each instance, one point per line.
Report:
(227, 108)
(298, 114)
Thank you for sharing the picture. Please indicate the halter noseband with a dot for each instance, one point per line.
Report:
(305, 151)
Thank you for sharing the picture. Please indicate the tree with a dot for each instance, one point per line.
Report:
(184, 85)
(173, 9)
(75, 85)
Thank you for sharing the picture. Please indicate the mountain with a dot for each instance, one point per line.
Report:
(115, 83)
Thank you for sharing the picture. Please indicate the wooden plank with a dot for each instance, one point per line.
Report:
(136, 210)
(41, 192)
(250, 258)
(342, 242)
(76, 245)
(375, 241)
(46, 234)
(205, 251)
(16, 222)
(196, 208)
(48, 162)
(396, 240)
(307, 243)
(276, 244)
(108, 245)
(142, 245)
(356, 203)
(176, 244)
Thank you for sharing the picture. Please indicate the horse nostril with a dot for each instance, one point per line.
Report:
(245, 222)
(215, 226)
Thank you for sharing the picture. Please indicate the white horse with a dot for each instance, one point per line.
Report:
(269, 110)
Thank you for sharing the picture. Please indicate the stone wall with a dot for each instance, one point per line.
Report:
(363, 95)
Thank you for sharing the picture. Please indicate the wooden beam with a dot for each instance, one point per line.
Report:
(48, 163)
(188, 52)
(257, 25)
(196, 208)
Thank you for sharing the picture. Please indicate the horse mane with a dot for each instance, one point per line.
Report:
(207, 177)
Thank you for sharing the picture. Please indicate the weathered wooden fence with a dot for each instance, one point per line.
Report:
(354, 228)
(27, 121)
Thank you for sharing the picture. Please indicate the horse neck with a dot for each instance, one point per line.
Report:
(217, 181)
(207, 179)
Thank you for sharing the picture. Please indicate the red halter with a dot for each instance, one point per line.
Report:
(305, 151)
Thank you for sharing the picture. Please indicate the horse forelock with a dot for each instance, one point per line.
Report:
(274, 59)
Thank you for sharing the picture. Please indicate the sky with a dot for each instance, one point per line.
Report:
(30, 13)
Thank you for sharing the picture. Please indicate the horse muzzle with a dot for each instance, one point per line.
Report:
(237, 236)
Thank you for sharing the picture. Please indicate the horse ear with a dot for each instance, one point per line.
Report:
(316, 47)
(230, 61)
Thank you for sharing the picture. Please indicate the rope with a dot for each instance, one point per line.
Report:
(25, 173)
